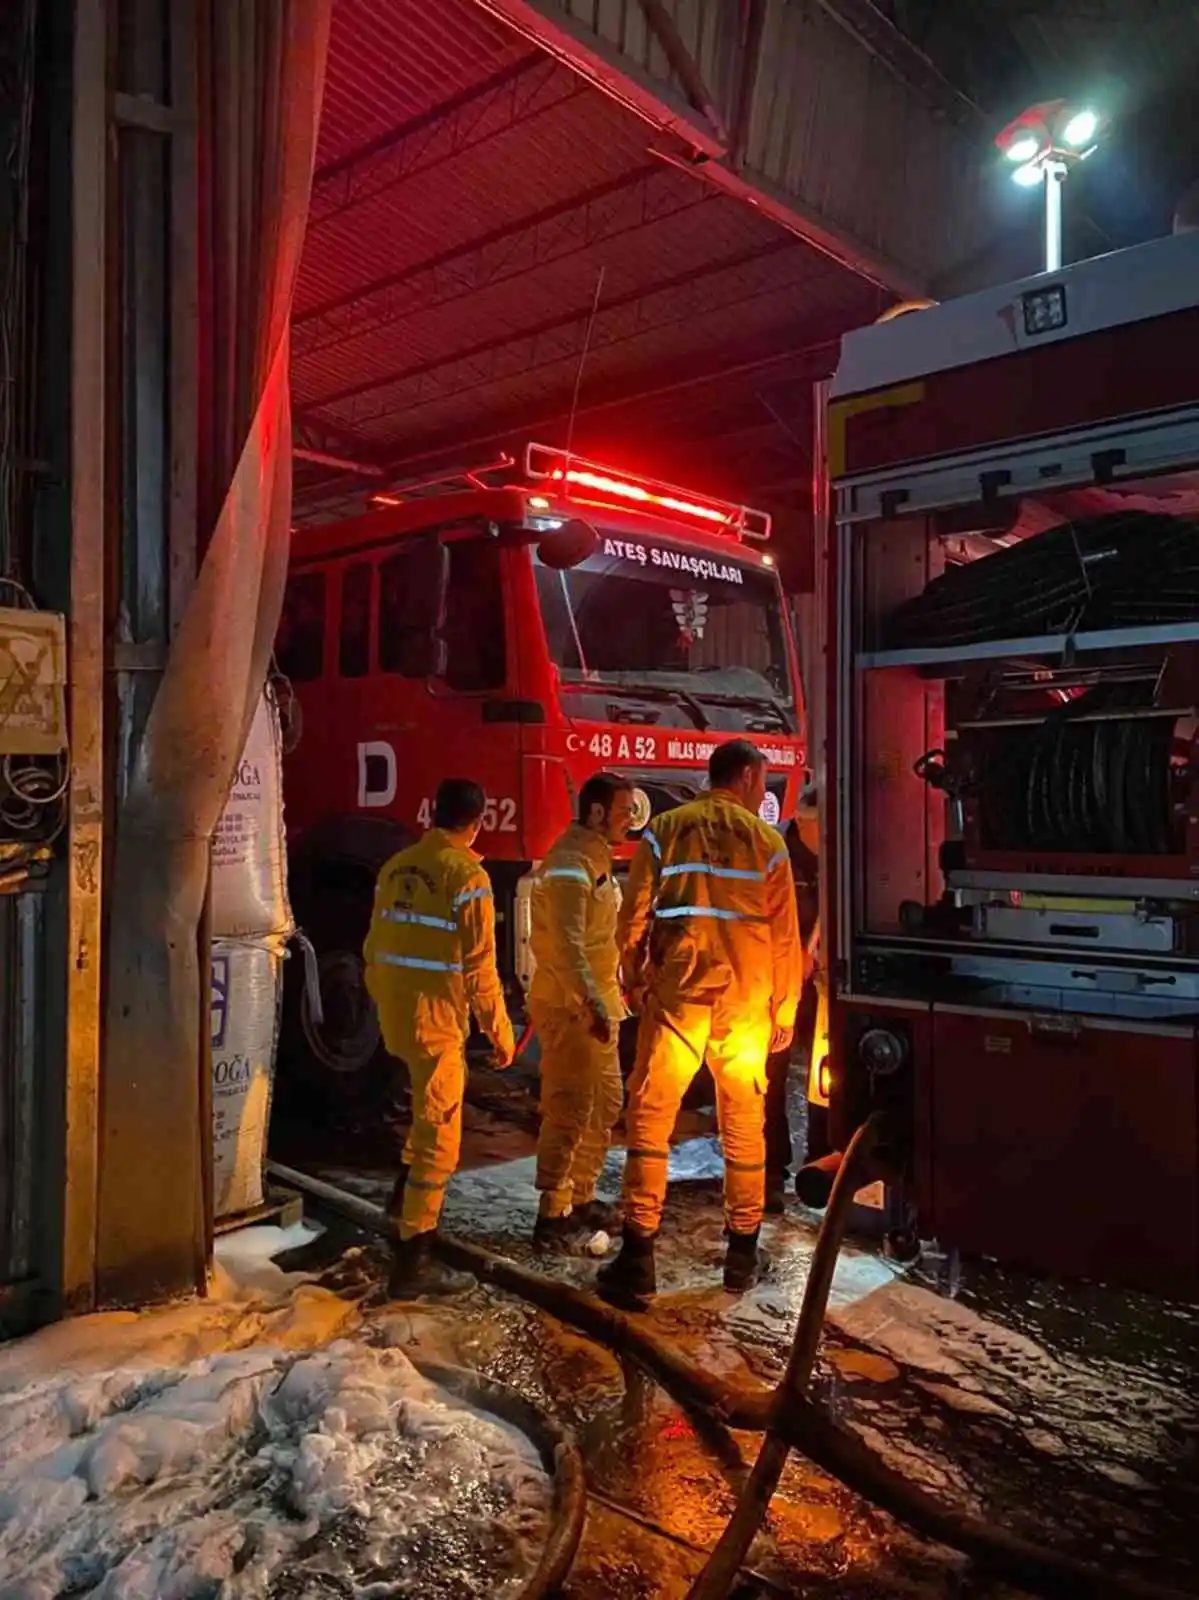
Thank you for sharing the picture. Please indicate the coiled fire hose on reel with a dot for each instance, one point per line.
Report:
(785, 1415)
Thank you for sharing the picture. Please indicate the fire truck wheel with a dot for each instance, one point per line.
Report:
(343, 1054)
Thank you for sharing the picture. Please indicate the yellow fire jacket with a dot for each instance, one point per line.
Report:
(574, 906)
(709, 912)
(432, 934)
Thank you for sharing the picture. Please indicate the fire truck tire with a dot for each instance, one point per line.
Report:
(342, 1057)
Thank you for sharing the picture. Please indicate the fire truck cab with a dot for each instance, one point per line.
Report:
(1011, 789)
(543, 623)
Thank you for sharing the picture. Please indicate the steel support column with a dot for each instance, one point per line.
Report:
(89, 160)
(153, 1135)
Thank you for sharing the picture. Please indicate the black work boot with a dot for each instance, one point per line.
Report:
(776, 1195)
(416, 1271)
(629, 1280)
(555, 1236)
(741, 1263)
(597, 1216)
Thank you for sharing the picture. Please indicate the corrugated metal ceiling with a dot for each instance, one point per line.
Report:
(469, 194)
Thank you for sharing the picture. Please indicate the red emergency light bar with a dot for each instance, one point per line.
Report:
(544, 463)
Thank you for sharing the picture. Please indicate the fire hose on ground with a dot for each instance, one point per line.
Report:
(786, 1415)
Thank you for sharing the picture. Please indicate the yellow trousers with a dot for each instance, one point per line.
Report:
(671, 1047)
(430, 1039)
(581, 1097)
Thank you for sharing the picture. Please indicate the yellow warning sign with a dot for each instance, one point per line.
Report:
(33, 651)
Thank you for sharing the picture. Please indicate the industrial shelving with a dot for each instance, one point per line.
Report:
(1061, 645)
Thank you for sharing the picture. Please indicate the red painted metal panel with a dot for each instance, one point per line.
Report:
(1072, 1152)
(1054, 388)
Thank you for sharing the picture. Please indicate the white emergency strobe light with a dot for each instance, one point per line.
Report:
(642, 811)
(770, 810)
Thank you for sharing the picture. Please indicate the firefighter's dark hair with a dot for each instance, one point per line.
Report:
(459, 803)
(729, 760)
(601, 790)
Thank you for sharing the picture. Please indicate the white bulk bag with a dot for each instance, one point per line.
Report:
(249, 847)
(246, 989)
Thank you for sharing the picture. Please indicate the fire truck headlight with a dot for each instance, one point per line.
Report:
(642, 811)
(881, 1052)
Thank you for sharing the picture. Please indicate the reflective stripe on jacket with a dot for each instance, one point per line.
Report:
(709, 912)
(432, 933)
(574, 906)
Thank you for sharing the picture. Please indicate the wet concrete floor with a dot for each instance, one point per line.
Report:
(1068, 1414)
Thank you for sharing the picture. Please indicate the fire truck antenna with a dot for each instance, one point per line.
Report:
(583, 353)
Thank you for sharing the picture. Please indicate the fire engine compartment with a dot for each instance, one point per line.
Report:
(1016, 877)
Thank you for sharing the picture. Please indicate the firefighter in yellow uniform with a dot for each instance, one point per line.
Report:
(576, 1008)
(712, 959)
(430, 962)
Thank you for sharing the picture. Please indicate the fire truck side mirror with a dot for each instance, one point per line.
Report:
(567, 545)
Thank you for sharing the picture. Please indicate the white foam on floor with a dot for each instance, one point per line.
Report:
(249, 1468)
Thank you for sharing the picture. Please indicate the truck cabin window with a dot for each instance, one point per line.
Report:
(674, 620)
(441, 613)
(410, 592)
(473, 629)
(300, 645)
(354, 644)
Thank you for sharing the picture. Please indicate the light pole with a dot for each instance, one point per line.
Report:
(1043, 143)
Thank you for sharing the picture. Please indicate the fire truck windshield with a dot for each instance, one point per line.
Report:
(671, 618)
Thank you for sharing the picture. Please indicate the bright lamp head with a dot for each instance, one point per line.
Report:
(1023, 148)
(1080, 129)
(1029, 175)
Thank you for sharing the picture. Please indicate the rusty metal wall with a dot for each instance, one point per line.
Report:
(848, 123)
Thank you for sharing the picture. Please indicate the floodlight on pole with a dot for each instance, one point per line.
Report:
(1042, 144)
(1081, 129)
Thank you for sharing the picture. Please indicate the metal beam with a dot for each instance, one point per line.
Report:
(554, 233)
(661, 25)
(338, 448)
(747, 83)
(684, 296)
(578, 47)
(582, 49)
(519, 93)
(806, 358)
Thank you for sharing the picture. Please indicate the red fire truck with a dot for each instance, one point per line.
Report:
(528, 630)
(1011, 815)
